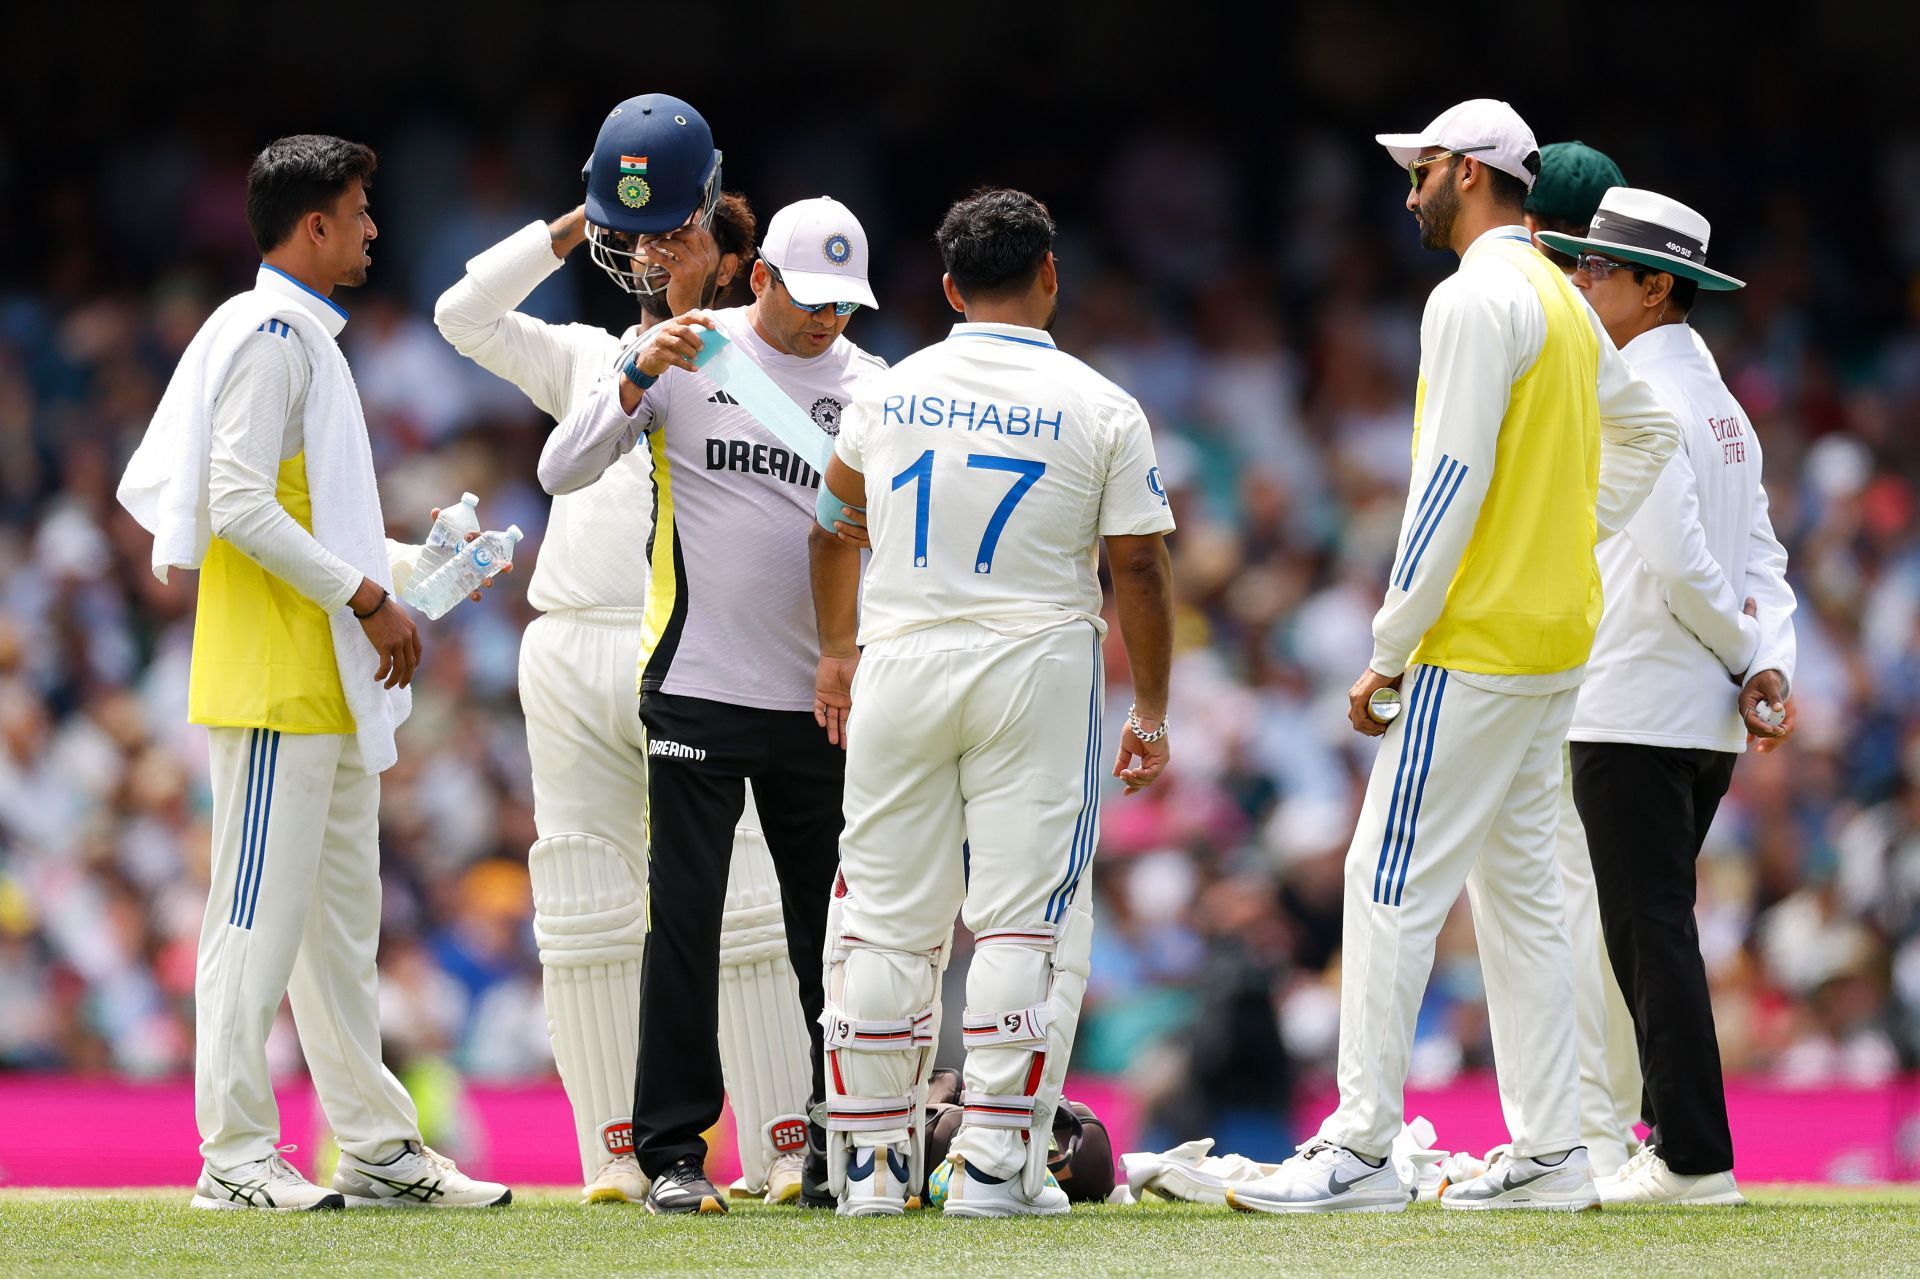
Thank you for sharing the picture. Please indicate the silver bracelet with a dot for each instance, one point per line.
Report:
(1146, 738)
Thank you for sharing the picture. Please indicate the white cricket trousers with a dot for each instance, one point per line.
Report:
(589, 871)
(293, 910)
(1609, 1060)
(1465, 791)
(973, 779)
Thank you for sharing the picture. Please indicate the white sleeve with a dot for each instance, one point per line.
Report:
(850, 445)
(267, 378)
(597, 432)
(1666, 533)
(1637, 436)
(1133, 501)
(1767, 584)
(477, 316)
(1471, 348)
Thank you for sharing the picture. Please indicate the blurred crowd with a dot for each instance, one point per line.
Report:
(1276, 363)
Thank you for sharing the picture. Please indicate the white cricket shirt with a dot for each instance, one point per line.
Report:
(1672, 637)
(994, 463)
(729, 613)
(586, 557)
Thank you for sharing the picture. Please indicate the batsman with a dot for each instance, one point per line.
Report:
(656, 222)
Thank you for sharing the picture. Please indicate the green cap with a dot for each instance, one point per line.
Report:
(1573, 177)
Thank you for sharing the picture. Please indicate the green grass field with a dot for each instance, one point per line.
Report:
(1786, 1231)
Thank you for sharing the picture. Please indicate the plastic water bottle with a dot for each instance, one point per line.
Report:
(472, 565)
(447, 536)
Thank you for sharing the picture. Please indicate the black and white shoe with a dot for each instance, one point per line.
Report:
(814, 1192)
(684, 1188)
(418, 1177)
(272, 1184)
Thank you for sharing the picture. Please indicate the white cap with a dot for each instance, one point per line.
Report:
(820, 249)
(1481, 122)
(1649, 229)
(469, 499)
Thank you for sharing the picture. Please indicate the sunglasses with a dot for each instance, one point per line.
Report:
(839, 308)
(1416, 169)
(1599, 268)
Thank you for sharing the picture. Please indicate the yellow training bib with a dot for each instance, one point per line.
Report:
(262, 651)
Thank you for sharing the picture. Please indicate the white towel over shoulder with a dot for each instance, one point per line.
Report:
(165, 486)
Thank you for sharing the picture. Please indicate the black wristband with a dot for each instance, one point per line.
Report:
(384, 597)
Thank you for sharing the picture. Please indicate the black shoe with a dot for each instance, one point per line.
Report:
(813, 1177)
(684, 1188)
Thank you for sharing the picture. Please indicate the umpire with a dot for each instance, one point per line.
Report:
(1697, 635)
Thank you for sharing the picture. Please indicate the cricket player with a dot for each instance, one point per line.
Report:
(257, 471)
(990, 467)
(1698, 633)
(727, 651)
(1573, 177)
(1532, 439)
(661, 228)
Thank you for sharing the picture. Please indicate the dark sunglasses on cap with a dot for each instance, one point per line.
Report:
(1417, 168)
(839, 308)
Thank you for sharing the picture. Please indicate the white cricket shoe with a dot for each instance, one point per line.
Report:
(877, 1178)
(972, 1193)
(785, 1177)
(1557, 1183)
(1648, 1180)
(619, 1181)
(1641, 1156)
(272, 1184)
(417, 1177)
(1324, 1177)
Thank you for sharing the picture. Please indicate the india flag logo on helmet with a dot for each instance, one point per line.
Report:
(632, 187)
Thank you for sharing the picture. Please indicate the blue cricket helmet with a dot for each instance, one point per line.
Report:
(653, 169)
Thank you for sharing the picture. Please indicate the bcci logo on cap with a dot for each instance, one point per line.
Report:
(838, 248)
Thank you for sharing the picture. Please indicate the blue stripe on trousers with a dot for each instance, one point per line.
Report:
(246, 830)
(1088, 819)
(1426, 763)
(1400, 829)
(1416, 701)
(266, 816)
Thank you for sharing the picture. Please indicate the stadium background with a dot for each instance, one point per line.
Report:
(1233, 251)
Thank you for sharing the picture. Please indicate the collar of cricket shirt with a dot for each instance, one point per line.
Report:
(1511, 232)
(331, 314)
(1003, 333)
(1661, 343)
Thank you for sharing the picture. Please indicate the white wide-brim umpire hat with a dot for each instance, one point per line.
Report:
(1485, 128)
(820, 249)
(1651, 230)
